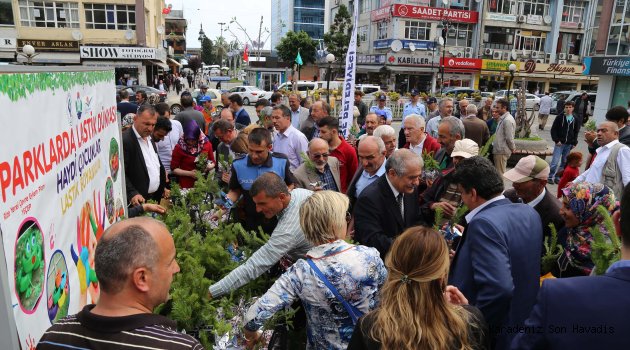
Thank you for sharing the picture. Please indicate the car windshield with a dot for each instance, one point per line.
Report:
(559, 95)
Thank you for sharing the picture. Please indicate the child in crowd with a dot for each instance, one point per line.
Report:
(571, 171)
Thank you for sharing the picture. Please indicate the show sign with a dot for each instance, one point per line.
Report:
(435, 13)
(118, 52)
(61, 186)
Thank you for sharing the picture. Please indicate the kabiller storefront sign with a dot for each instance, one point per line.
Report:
(530, 66)
(409, 60)
(461, 63)
(118, 52)
(435, 13)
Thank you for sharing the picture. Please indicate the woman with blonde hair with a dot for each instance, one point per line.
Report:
(417, 309)
(337, 282)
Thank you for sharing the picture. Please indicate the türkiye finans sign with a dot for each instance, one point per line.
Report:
(607, 66)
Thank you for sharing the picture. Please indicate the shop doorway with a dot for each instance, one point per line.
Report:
(268, 79)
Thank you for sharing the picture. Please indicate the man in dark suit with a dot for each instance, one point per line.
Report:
(319, 111)
(497, 263)
(585, 312)
(529, 179)
(371, 153)
(236, 105)
(389, 205)
(145, 176)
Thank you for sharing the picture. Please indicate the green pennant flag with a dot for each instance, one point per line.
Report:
(298, 59)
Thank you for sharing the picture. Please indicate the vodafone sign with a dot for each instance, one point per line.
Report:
(461, 63)
(434, 13)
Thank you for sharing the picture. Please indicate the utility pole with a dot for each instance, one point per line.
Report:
(221, 36)
(259, 33)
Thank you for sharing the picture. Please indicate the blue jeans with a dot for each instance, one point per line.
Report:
(560, 154)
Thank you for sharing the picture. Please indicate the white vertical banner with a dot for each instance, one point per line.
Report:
(346, 114)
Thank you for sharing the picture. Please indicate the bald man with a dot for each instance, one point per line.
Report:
(135, 264)
(322, 173)
(372, 166)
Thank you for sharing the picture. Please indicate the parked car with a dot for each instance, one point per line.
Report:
(175, 106)
(486, 94)
(503, 93)
(532, 102)
(250, 94)
(135, 88)
(305, 87)
(571, 96)
(368, 89)
(460, 90)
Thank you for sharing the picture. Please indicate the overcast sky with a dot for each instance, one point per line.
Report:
(247, 13)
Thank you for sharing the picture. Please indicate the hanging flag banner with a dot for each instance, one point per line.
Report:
(346, 116)
(61, 186)
(246, 53)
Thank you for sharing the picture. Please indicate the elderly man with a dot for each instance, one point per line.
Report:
(145, 176)
(529, 181)
(287, 139)
(135, 263)
(298, 113)
(380, 108)
(389, 205)
(319, 110)
(485, 112)
(446, 110)
(451, 129)
(503, 144)
(476, 129)
(372, 160)
(497, 262)
(323, 174)
(461, 108)
(388, 135)
(371, 123)
(340, 149)
(414, 106)
(418, 141)
(225, 99)
(272, 198)
(612, 163)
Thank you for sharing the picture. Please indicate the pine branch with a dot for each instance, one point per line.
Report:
(605, 248)
(485, 150)
(439, 216)
(552, 250)
(429, 162)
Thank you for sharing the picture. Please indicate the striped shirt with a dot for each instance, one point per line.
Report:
(86, 330)
(286, 239)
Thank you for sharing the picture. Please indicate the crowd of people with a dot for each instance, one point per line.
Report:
(452, 262)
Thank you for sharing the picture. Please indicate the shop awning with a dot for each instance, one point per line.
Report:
(161, 64)
(173, 62)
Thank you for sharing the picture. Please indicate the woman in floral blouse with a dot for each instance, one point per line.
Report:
(355, 271)
(579, 210)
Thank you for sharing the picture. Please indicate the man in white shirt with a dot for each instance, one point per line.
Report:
(287, 139)
(298, 113)
(612, 162)
(446, 110)
(544, 110)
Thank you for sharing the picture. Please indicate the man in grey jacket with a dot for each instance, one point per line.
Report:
(503, 144)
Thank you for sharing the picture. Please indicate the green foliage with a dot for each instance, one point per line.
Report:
(16, 86)
(292, 42)
(439, 217)
(429, 162)
(591, 125)
(202, 162)
(485, 150)
(531, 138)
(338, 37)
(195, 64)
(552, 251)
(307, 161)
(605, 249)
(459, 214)
(207, 54)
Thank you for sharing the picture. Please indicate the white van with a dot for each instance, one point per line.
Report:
(368, 89)
(303, 86)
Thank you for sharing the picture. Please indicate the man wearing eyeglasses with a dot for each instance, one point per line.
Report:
(323, 173)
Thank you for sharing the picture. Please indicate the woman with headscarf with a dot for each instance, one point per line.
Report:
(417, 309)
(579, 210)
(186, 154)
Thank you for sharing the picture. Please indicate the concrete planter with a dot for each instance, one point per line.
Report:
(528, 147)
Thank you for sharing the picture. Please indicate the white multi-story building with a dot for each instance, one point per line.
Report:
(296, 15)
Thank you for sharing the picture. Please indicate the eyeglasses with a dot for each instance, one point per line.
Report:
(324, 155)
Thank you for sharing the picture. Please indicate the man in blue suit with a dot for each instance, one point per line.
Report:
(497, 263)
(585, 312)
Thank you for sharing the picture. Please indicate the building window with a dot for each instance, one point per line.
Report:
(415, 30)
(50, 14)
(573, 11)
(530, 40)
(507, 7)
(459, 34)
(363, 33)
(534, 7)
(364, 6)
(6, 13)
(569, 43)
(110, 16)
(469, 5)
(619, 35)
(381, 30)
(498, 38)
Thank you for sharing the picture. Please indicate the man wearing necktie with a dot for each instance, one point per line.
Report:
(389, 205)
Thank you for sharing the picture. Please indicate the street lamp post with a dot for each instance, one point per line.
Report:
(330, 58)
(444, 25)
(512, 69)
(221, 51)
(28, 51)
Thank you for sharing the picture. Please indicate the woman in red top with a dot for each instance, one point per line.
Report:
(185, 154)
(571, 171)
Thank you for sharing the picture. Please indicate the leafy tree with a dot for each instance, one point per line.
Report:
(338, 37)
(294, 41)
(195, 64)
(207, 55)
(220, 50)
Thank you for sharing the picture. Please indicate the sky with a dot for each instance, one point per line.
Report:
(211, 12)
